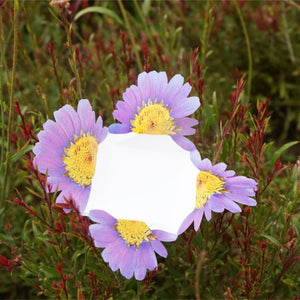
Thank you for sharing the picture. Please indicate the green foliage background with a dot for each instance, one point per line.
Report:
(57, 54)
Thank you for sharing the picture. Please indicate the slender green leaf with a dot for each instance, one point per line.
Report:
(146, 7)
(99, 10)
(242, 137)
(21, 152)
(272, 240)
(281, 150)
(268, 146)
(174, 36)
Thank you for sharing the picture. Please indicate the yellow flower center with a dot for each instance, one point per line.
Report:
(80, 159)
(154, 118)
(134, 232)
(208, 184)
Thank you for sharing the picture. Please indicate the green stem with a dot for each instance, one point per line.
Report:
(250, 63)
(130, 35)
(205, 34)
(287, 36)
(11, 98)
(197, 275)
(73, 60)
(139, 11)
(147, 29)
(3, 50)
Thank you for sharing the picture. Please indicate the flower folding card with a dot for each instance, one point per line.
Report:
(141, 181)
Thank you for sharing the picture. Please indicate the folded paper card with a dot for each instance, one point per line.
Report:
(144, 177)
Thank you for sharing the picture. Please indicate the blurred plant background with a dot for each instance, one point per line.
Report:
(242, 59)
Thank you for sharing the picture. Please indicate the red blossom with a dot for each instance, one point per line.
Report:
(145, 52)
(195, 79)
(6, 263)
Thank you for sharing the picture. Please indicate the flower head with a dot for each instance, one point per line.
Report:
(156, 106)
(67, 151)
(216, 190)
(129, 245)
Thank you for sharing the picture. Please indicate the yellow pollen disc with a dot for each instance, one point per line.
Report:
(207, 185)
(153, 118)
(134, 232)
(80, 159)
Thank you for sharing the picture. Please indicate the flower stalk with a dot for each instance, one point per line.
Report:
(11, 99)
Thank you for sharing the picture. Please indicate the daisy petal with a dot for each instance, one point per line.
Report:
(140, 269)
(58, 183)
(130, 98)
(182, 94)
(207, 212)
(187, 222)
(198, 218)
(148, 256)
(160, 86)
(102, 234)
(101, 134)
(123, 113)
(205, 164)
(186, 108)
(159, 248)
(215, 204)
(229, 173)
(241, 191)
(241, 199)
(196, 158)
(52, 128)
(82, 198)
(242, 181)
(73, 117)
(230, 205)
(173, 88)
(154, 84)
(164, 236)
(86, 115)
(48, 164)
(116, 259)
(128, 262)
(110, 250)
(144, 85)
(187, 131)
(138, 95)
(64, 121)
(118, 128)
(102, 217)
(183, 142)
(186, 122)
(220, 167)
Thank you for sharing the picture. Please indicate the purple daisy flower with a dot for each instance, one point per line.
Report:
(156, 106)
(216, 190)
(129, 245)
(67, 152)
